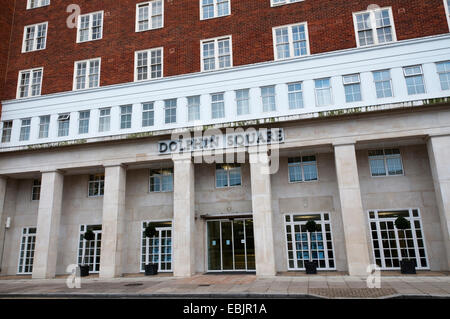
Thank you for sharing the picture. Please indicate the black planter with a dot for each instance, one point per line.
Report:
(408, 266)
(151, 269)
(84, 270)
(311, 267)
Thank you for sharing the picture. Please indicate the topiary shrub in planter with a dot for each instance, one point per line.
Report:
(150, 268)
(311, 266)
(84, 269)
(407, 266)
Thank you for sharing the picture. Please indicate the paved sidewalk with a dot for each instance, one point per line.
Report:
(229, 286)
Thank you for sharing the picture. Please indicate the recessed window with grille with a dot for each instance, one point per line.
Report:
(443, 70)
(385, 162)
(217, 105)
(149, 15)
(158, 249)
(170, 111)
(96, 185)
(161, 180)
(26, 254)
(89, 251)
(295, 95)
(290, 41)
(390, 245)
(324, 96)
(228, 175)
(216, 53)
(304, 246)
(148, 114)
(36, 190)
(44, 126)
(125, 116)
(25, 130)
(87, 74)
(31, 4)
(193, 108)
(268, 98)
(83, 122)
(34, 37)
(414, 79)
(243, 101)
(104, 121)
(90, 26)
(383, 83)
(374, 27)
(30, 82)
(63, 124)
(214, 8)
(6, 131)
(148, 64)
(352, 87)
(302, 168)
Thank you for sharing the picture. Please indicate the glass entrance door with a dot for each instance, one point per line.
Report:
(158, 249)
(230, 245)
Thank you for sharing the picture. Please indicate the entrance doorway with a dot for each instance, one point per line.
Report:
(231, 245)
(89, 252)
(158, 249)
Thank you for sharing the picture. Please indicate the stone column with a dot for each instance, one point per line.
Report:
(353, 215)
(439, 155)
(262, 213)
(183, 217)
(47, 228)
(113, 222)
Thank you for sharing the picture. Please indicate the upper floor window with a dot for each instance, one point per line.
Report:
(149, 15)
(290, 41)
(193, 108)
(295, 95)
(104, 121)
(148, 64)
(385, 162)
(25, 130)
(302, 168)
(217, 105)
(170, 111)
(63, 124)
(414, 79)
(243, 101)
(274, 3)
(352, 87)
(83, 122)
(228, 175)
(161, 180)
(30, 82)
(214, 8)
(443, 69)
(36, 190)
(374, 27)
(323, 92)
(125, 116)
(31, 4)
(6, 131)
(268, 98)
(44, 126)
(96, 185)
(87, 74)
(90, 26)
(447, 11)
(148, 114)
(383, 83)
(34, 37)
(216, 53)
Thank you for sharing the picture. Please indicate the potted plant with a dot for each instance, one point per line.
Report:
(311, 266)
(84, 268)
(150, 268)
(407, 266)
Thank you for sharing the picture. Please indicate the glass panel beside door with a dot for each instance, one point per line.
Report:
(89, 251)
(158, 249)
(230, 245)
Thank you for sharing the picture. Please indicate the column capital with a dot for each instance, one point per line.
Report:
(344, 143)
(182, 157)
(56, 170)
(115, 165)
(257, 150)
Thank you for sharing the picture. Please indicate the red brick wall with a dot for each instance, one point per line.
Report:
(330, 26)
(6, 17)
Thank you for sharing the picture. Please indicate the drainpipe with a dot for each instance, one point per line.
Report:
(7, 225)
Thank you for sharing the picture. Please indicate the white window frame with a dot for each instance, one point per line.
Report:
(216, 9)
(218, 102)
(160, 174)
(442, 72)
(90, 26)
(390, 81)
(447, 12)
(296, 92)
(64, 118)
(274, 98)
(329, 88)
(283, 2)
(240, 99)
(88, 73)
(406, 76)
(374, 27)
(148, 244)
(45, 124)
(36, 185)
(192, 106)
(130, 113)
(88, 120)
(150, 110)
(216, 53)
(35, 26)
(150, 7)
(290, 41)
(233, 167)
(7, 130)
(94, 243)
(345, 83)
(99, 181)
(25, 238)
(30, 83)
(23, 128)
(40, 4)
(100, 117)
(301, 164)
(149, 65)
(385, 157)
(170, 107)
